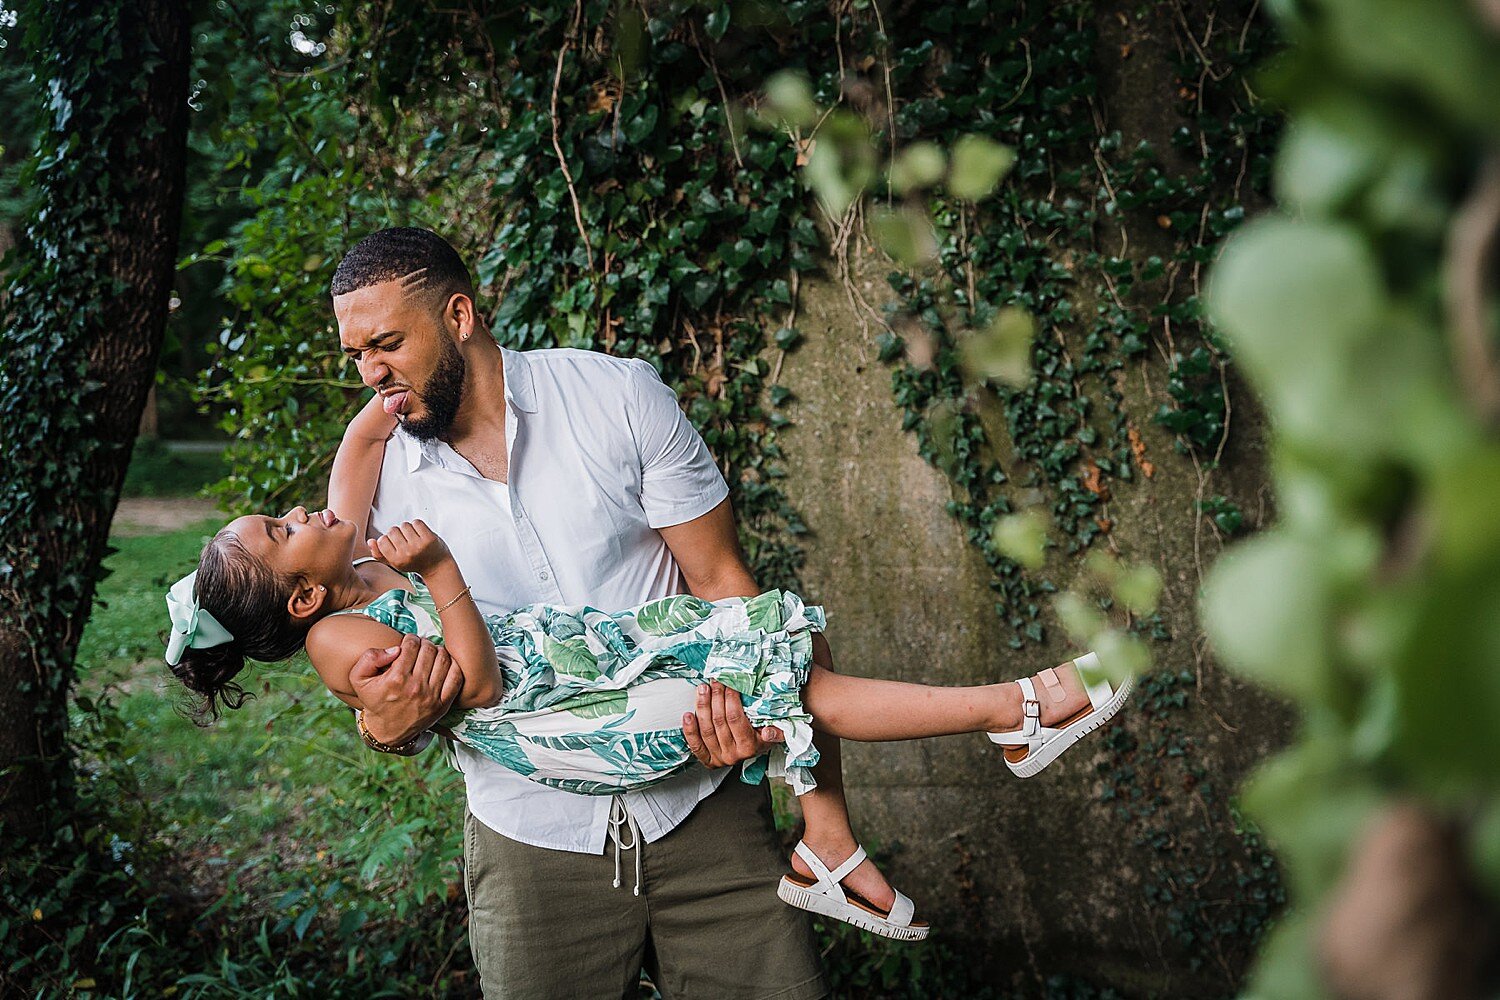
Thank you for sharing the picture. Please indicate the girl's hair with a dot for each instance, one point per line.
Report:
(249, 599)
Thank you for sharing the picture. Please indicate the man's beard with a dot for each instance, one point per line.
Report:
(440, 397)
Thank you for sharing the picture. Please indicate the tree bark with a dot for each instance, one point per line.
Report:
(83, 330)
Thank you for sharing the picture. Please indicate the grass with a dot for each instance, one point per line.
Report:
(254, 771)
(158, 470)
(275, 813)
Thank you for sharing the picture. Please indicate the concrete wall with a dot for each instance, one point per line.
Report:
(1088, 868)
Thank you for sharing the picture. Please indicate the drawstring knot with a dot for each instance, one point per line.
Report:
(620, 818)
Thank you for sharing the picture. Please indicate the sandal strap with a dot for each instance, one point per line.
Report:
(1095, 679)
(828, 880)
(1053, 684)
(852, 862)
(901, 910)
(819, 869)
(1017, 737)
(1031, 709)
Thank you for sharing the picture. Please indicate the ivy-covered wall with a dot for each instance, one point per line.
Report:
(1139, 142)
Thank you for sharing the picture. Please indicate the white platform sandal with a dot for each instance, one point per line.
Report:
(1032, 747)
(823, 894)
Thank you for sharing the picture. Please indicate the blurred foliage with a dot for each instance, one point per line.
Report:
(1364, 314)
(17, 122)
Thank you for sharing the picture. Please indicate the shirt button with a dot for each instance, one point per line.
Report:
(546, 575)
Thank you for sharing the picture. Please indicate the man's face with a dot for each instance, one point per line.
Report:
(404, 351)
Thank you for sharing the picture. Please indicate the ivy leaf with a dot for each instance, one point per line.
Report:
(639, 128)
(738, 254)
(717, 22)
(889, 346)
(699, 289)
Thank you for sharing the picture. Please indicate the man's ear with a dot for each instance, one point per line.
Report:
(307, 600)
(459, 315)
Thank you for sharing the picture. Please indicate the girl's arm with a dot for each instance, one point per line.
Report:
(356, 467)
(412, 547)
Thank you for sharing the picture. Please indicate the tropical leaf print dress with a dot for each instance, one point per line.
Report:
(594, 701)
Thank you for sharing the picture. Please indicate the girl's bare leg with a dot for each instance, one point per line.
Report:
(825, 813)
(877, 711)
(869, 710)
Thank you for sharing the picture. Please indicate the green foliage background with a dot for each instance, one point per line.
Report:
(679, 232)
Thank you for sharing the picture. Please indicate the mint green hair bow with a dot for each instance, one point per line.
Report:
(192, 627)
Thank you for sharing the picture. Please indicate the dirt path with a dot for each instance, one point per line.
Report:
(154, 515)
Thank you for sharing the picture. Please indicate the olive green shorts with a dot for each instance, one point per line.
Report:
(708, 925)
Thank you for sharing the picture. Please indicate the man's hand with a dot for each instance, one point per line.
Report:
(404, 689)
(719, 734)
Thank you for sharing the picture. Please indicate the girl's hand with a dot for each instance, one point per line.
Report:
(411, 547)
(372, 423)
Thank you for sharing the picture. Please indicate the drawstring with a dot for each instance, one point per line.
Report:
(619, 817)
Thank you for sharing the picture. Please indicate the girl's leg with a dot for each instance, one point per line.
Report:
(870, 710)
(825, 813)
(829, 835)
(864, 709)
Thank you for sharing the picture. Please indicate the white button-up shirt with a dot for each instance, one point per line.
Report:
(600, 456)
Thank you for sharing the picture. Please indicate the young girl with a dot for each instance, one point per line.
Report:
(578, 698)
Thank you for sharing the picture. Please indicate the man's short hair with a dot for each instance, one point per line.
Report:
(425, 261)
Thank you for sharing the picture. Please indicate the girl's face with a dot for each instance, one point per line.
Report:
(318, 548)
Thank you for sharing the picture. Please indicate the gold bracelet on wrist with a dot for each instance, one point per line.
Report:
(402, 749)
(456, 598)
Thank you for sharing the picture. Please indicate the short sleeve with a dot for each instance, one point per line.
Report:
(679, 480)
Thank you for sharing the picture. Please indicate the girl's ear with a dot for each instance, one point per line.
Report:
(307, 599)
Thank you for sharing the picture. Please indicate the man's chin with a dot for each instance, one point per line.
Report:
(421, 426)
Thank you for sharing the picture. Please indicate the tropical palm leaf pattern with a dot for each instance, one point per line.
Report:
(594, 701)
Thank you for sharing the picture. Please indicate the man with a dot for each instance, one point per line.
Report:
(569, 477)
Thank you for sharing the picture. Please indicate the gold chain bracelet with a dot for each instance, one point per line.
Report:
(407, 749)
(456, 598)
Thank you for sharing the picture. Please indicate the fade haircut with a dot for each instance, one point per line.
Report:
(425, 263)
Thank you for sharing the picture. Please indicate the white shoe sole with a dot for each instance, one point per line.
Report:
(815, 902)
(1054, 748)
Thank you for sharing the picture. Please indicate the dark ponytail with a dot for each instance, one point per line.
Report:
(249, 599)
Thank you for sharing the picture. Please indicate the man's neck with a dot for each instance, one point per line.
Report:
(482, 413)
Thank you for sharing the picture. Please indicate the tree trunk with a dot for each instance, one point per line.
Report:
(150, 420)
(83, 329)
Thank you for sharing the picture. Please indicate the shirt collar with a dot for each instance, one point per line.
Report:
(520, 392)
